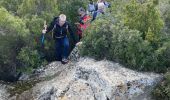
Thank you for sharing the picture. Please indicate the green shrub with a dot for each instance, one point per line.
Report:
(29, 59)
(144, 17)
(11, 5)
(14, 35)
(162, 90)
(97, 39)
(109, 39)
(130, 36)
(12, 24)
(33, 7)
(164, 7)
(10, 46)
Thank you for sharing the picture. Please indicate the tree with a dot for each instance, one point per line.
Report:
(145, 18)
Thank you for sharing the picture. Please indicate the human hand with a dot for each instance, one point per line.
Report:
(44, 31)
(78, 44)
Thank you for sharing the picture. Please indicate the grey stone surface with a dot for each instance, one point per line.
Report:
(91, 80)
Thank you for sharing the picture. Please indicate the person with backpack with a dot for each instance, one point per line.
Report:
(106, 4)
(84, 22)
(101, 10)
(60, 27)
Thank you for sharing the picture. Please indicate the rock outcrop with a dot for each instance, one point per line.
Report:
(3, 92)
(91, 80)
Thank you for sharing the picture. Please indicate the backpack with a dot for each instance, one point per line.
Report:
(57, 19)
(86, 21)
(82, 26)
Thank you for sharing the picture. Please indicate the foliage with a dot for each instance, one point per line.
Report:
(37, 7)
(162, 90)
(145, 18)
(12, 24)
(164, 7)
(9, 48)
(119, 43)
(11, 5)
(29, 59)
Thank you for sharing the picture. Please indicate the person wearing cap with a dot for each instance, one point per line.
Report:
(101, 10)
(60, 27)
(84, 22)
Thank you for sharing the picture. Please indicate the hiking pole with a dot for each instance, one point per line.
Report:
(43, 34)
(42, 39)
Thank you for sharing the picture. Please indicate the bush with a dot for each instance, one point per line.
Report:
(12, 24)
(145, 18)
(11, 5)
(9, 48)
(29, 59)
(109, 39)
(162, 90)
(97, 38)
(13, 36)
(33, 7)
(164, 7)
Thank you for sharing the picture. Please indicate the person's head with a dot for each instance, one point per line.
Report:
(99, 1)
(91, 1)
(101, 6)
(81, 11)
(62, 19)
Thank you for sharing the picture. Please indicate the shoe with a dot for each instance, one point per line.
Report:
(64, 61)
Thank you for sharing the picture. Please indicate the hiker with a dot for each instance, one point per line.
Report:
(84, 22)
(101, 10)
(106, 4)
(60, 27)
(91, 7)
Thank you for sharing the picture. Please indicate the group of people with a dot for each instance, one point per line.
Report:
(60, 26)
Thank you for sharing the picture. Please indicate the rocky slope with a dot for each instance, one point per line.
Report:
(90, 80)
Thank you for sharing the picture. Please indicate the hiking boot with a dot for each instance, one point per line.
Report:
(64, 61)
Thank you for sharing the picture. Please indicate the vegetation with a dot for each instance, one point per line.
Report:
(134, 34)
(162, 91)
(135, 39)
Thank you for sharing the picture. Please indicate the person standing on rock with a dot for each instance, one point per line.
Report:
(60, 28)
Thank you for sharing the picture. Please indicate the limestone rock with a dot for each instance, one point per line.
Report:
(93, 80)
(89, 79)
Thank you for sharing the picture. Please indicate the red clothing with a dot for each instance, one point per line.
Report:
(84, 23)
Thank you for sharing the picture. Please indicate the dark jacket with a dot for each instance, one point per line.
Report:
(58, 31)
(96, 13)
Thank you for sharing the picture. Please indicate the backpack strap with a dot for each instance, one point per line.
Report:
(67, 26)
(55, 21)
